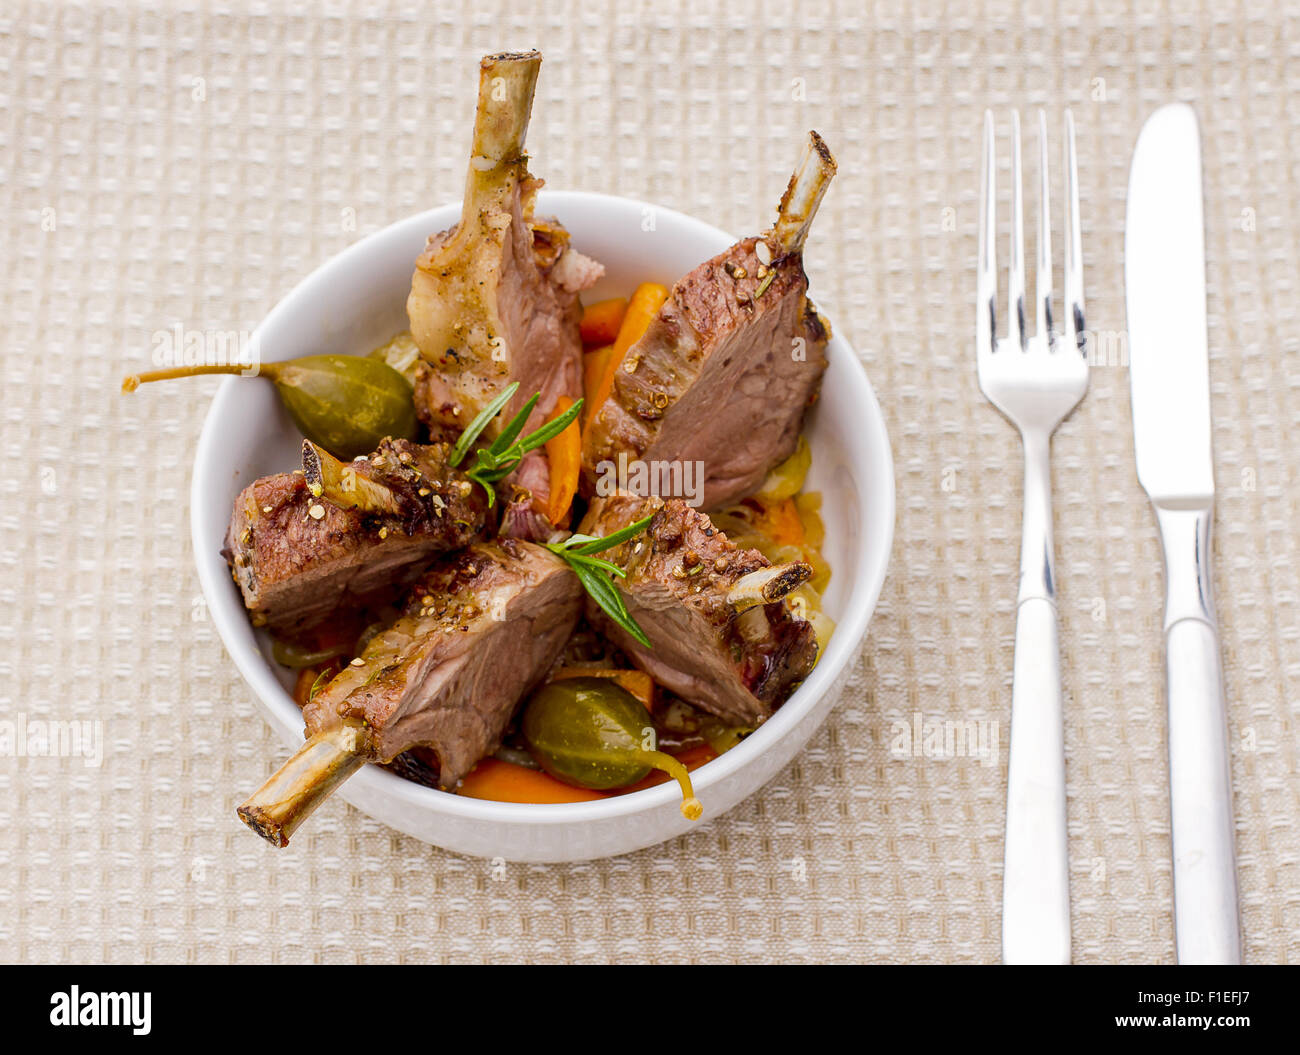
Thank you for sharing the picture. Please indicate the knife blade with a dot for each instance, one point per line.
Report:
(1168, 345)
(1164, 273)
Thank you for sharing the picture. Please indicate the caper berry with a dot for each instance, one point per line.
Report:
(345, 403)
(592, 733)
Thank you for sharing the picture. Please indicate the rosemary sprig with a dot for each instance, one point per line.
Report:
(499, 459)
(480, 422)
(595, 574)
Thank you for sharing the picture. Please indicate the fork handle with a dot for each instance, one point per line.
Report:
(1036, 882)
(1035, 877)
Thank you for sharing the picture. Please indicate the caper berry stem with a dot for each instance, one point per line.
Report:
(133, 381)
(345, 403)
(692, 809)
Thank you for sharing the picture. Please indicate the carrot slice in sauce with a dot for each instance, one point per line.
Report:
(564, 453)
(506, 782)
(600, 321)
(643, 307)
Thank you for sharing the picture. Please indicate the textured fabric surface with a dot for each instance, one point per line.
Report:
(187, 167)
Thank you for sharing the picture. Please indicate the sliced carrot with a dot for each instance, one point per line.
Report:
(506, 782)
(637, 682)
(302, 687)
(600, 321)
(782, 523)
(500, 781)
(594, 364)
(308, 676)
(564, 453)
(641, 309)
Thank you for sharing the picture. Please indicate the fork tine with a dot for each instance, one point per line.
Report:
(986, 277)
(1043, 280)
(1074, 318)
(1016, 294)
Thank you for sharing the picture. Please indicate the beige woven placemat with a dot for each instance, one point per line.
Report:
(188, 167)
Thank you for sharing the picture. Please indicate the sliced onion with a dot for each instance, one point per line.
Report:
(516, 757)
(297, 656)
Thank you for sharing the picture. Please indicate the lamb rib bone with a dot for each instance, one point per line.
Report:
(308, 778)
(495, 298)
(804, 194)
(479, 629)
(768, 585)
(452, 307)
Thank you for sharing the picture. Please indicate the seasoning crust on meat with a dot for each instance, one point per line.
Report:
(726, 371)
(298, 558)
(732, 658)
(478, 630)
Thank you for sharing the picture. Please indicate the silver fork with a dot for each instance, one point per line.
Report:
(1035, 382)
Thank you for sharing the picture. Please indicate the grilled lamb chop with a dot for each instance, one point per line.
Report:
(722, 638)
(727, 369)
(480, 628)
(302, 544)
(495, 298)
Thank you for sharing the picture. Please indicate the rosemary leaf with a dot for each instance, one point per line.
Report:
(597, 545)
(596, 562)
(516, 424)
(321, 679)
(502, 457)
(480, 422)
(576, 539)
(594, 573)
(491, 491)
(551, 429)
(606, 595)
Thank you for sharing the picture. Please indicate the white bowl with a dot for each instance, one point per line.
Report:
(357, 301)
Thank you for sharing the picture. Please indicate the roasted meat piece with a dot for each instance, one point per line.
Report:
(302, 544)
(727, 369)
(723, 640)
(480, 628)
(495, 298)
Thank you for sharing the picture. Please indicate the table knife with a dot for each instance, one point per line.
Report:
(1164, 276)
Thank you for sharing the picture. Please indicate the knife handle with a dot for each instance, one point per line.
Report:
(1036, 880)
(1206, 923)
